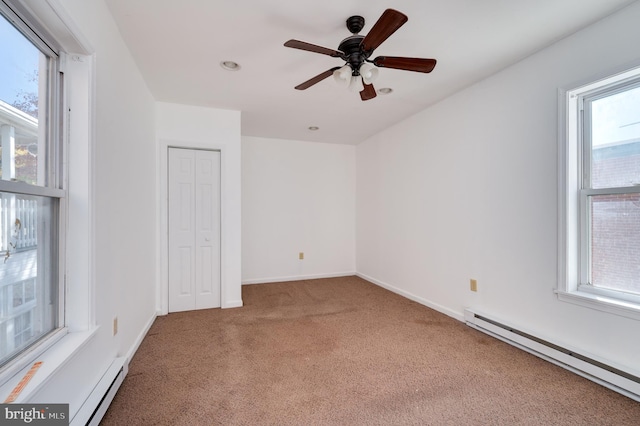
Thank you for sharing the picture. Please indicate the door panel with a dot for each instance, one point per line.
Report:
(207, 221)
(184, 270)
(194, 229)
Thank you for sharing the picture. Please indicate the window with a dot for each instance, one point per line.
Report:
(600, 205)
(31, 306)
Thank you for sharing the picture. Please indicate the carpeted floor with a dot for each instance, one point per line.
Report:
(343, 351)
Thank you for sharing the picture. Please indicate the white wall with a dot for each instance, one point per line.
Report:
(121, 211)
(468, 189)
(297, 197)
(205, 128)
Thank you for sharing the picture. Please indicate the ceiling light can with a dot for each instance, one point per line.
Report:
(230, 65)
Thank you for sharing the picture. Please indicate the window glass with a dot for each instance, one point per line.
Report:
(615, 242)
(22, 105)
(615, 129)
(28, 300)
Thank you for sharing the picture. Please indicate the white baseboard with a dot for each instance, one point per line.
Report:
(232, 304)
(98, 401)
(451, 313)
(132, 351)
(598, 370)
(297, 278)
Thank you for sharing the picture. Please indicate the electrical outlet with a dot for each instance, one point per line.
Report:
(115, 326)
(473, 285)
(301, 256)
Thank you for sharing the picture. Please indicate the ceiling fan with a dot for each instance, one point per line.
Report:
(356, 49)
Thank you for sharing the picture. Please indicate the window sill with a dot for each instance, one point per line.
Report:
(601, 303)
(53, 359)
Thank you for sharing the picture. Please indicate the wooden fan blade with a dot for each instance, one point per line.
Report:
(408, 64)
(297, 44)
(318, 78)
(386, 25)
(369, 92)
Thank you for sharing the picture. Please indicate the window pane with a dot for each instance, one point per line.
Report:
(28, 284)
(23, 93)
(615, 242)
(615, 156)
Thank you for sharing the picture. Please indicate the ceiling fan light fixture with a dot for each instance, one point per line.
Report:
(368, 72)
(342, 76)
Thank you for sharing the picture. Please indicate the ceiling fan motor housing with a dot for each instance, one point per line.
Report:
(350, 46)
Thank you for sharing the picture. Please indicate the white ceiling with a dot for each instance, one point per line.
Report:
(178, 46)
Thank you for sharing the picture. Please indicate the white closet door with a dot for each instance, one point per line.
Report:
(194, 229)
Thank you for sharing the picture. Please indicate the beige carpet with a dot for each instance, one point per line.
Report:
(343, 351)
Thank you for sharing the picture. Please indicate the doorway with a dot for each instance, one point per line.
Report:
(193, 229)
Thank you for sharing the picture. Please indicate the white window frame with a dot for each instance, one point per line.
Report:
(77, 321)
(50, 186)
(573, 217)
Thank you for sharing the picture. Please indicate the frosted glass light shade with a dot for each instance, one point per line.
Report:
(356, 84)
(342, 76)
(368, 72)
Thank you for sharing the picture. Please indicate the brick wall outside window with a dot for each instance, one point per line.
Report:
(615, 226)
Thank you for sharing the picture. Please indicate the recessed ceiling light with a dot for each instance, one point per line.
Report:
(314, 128)
(385, 90)
(230, 65)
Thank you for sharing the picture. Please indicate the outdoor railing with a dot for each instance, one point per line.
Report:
(18, 223)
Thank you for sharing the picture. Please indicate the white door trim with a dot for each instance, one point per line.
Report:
(229, 238)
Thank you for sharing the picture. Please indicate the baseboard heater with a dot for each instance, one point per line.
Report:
(98, 401)
(600, 372)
